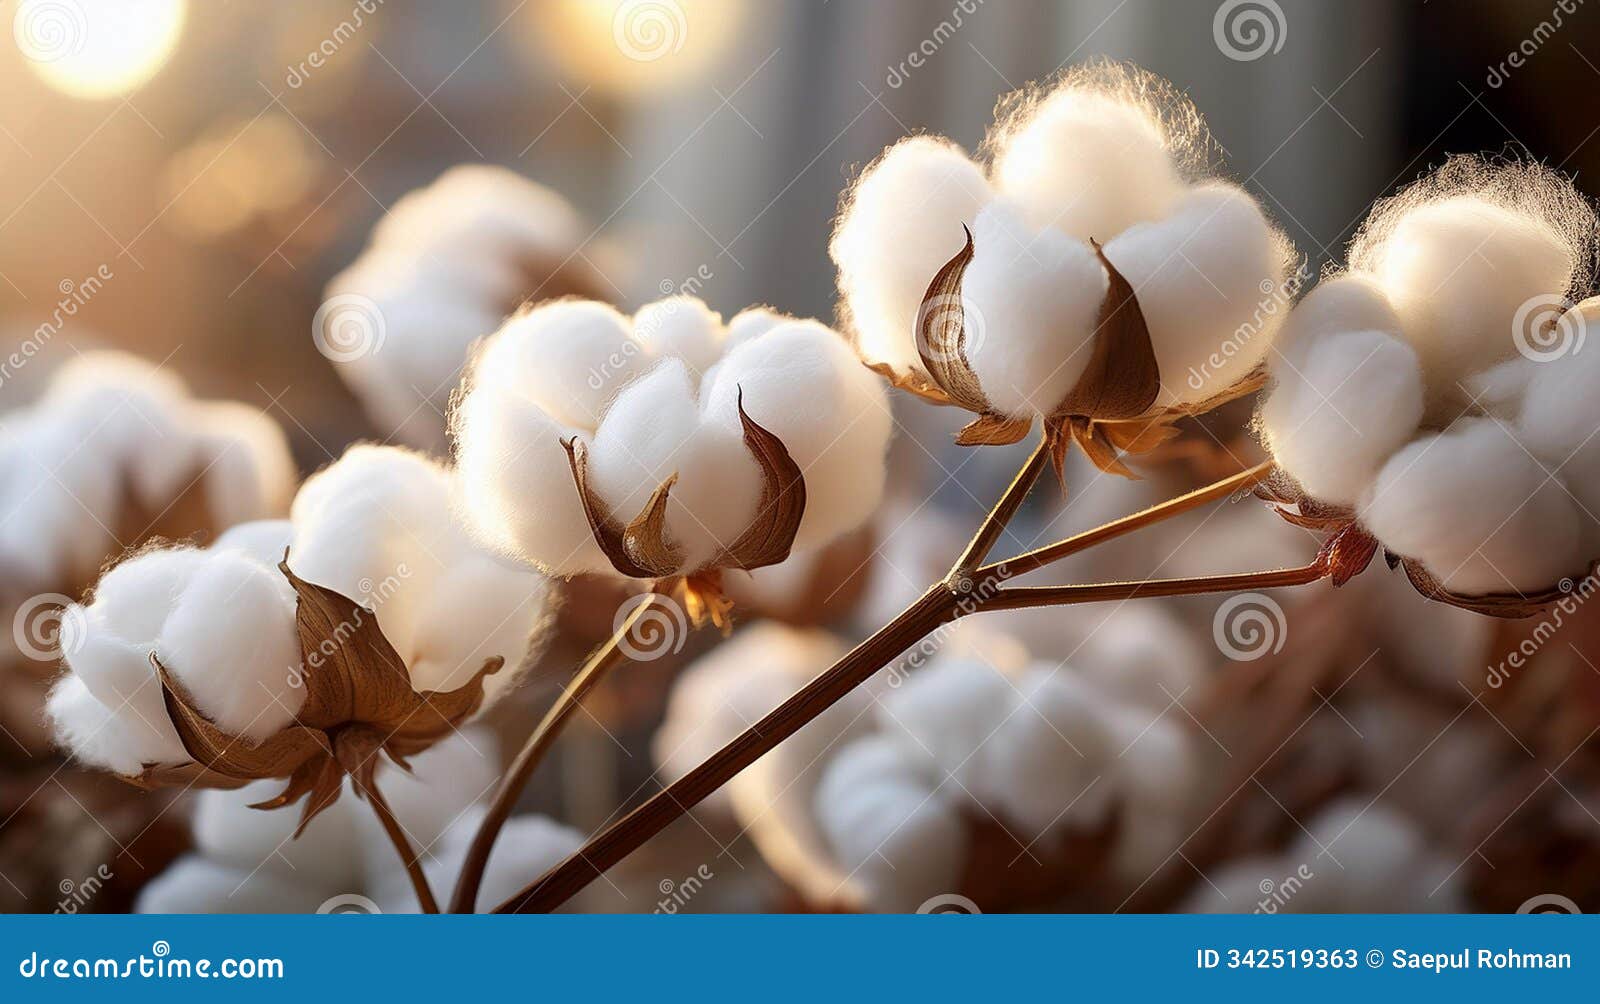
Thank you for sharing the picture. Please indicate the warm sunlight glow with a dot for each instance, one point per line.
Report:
(97, 48)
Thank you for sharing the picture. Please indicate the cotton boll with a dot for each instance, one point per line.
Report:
(682, 327)
(898, 226)
(1210, 282)
(1155, 776)
(1458, 269)
(244, 462)
(111, 739)
(897, 837)
(1031, 299)
(1088, 164)
(800, 382)
(229, 832)
(476, 610)
(1049, 765)
(483, 211)
(193, 884)
(515, 490)
(731, 688)
(752, 323)
(1477, 510)
(1142, 653)
(1376, 848)
(569, 357)
(948, 712)
(1357, 398)
(231, 642)
(1350, 302)
(1499, 391)
(652, 431)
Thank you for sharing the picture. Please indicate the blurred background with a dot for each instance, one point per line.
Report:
(192, 177)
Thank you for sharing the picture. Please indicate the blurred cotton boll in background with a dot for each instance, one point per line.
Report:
(98, 49)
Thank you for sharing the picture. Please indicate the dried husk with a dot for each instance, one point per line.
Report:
(1355, 549)
(1109, 412)
(641, 549)
(359, 702)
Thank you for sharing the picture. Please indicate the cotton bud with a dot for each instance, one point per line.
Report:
(233, 664)
(444, 266)
(1106, 286)
(663, 447)
(1425, 400)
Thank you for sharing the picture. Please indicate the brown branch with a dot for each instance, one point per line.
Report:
(1026, 597)
(402, 845)
(995, 523)
(605, 658)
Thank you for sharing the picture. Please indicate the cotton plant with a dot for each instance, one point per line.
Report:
(669, 446)
(443, 267)
(1419, 406)
(247, 862)
(1090, 270)
(300, 650)
(116, 449)
(1353, 856)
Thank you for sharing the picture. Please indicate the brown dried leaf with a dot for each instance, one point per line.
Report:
(1348, 553)
(993, 430)
(212, 748)
(436, 712)
(941, 334)
(1508, 605)
(645, 538)
(1090, 437)
(770, 535)
(911, 383)
(611, 537)
(1122, 379)
(352, 673)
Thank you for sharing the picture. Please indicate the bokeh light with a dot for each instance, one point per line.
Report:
(97, 48)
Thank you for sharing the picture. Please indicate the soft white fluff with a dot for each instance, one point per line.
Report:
(1401, 389)
(442, 269)
(113, 440)
(374, 526)
(657, 396)
(1107, 153)
(726, 691)
(1475, 508)
(899, 836)
(248, 861)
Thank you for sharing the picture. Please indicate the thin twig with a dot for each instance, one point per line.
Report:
(605, 658)
(1041, 556)
(1000, 516)
(1025, 597)
(402, 845)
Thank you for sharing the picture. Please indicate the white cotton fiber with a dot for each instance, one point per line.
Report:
(1156, 775)
(1209, 279)
(652, 431)
(228, 831)
(801, 383)
(478, 609)
(1350, 302)
(1458, 269)
(898, 838)
(898, 226)
(1048, 767)
(1089, 164)
(115, 738)
(1030, 300)
(1142, 653)
(948, 712)
(1499, 391)
(1477, 510)
(731, 688)
(684, 327)
(265, 540)
(1355, 399)
(194, 884)
(244, 455)
(569, 357)
(231, 642)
